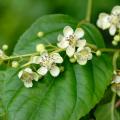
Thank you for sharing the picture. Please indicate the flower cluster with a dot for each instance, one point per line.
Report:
(72, 42)
(75, 44)
(110, 21)
(47, 62)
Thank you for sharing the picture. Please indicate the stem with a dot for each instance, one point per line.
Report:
(19, 56)
(113, 106)
(89, 11)
(60, 50)
(115, 57)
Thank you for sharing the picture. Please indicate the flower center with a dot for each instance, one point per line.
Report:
(72, 40)
(27, 76)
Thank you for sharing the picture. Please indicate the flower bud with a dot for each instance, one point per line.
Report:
(40, 48)
(114, 43)
(40, 34)
(72, 60)
(98, 53)
(5, 47)
(117, 38)
(15, 64)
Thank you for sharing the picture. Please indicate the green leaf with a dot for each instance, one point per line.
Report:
(67, 97)
(105, 111)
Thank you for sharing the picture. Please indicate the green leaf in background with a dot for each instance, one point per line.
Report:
(105, 112)
(67, 97)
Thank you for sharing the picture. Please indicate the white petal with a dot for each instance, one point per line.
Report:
(20, 73)
(36, 76)
(28, 84)
(68, 31)
(70, 51)
(79, 33)
(88, 49)
(103, 21)
(116, 79)
(116, 10)
(57, 58)
(60, 37)
(42, 70)
(35, 60)
(81, 61)
(81, 44)
(112, 30)
(63, 44)
(55, 71)
(43, 57)
(89, 56)
(29, 70)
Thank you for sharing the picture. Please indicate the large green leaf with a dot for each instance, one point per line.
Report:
(67, 97)
(106, 112)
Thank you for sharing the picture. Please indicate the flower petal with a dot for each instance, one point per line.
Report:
(56, 57)
(20, 74)
(42, 70)
(70, 51)
(82, 61)
(116, 10)
(55, 71)
(81, 44)
(112, 30)
(63, 44)
(60, 37)
(79, 33)
(88, 49)
(90, 56)
(103, 21)
(116, 79)
(36, 76)
(29, 70)
(35, 60)
(28, 84)
(43, 57)
(68, 31)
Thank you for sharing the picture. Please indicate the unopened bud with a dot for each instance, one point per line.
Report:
(15, 64)
(40, 34)
(98, 53)
(5, 47)
(114, 43)
(72, 60)
(40, 48)
(117, 38)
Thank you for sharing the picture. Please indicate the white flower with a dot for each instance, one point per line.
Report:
(27, 76)
(48, 63)
(70, 40)
(111, 22)
(83, 55)
(103, 21)
(116, 79)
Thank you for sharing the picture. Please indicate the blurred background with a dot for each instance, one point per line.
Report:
(17, 15)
